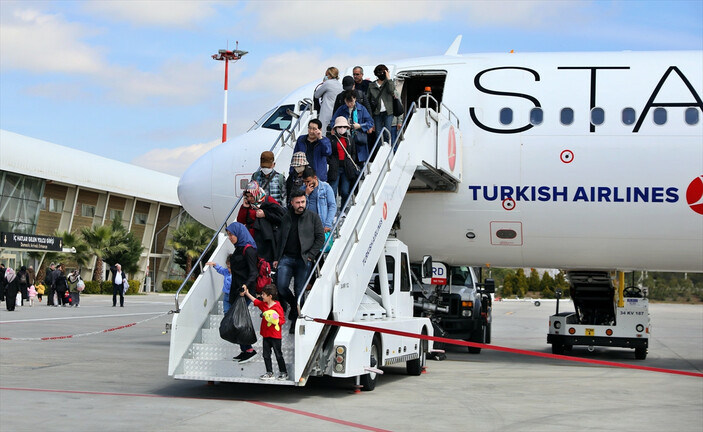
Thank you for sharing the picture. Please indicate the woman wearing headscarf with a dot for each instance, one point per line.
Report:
(262, 218)
(11, 288)
(254, 205)
(242, 263)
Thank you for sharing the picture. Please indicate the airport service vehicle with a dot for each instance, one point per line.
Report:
(580, 161)
(604, 316)
(458, 305)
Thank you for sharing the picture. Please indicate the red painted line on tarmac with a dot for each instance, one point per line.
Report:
(259, 403)
(506, 349)
(318, 416)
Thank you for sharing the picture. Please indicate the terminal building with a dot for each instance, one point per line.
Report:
(47, 188)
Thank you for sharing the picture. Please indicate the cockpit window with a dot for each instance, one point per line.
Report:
(262, 119)
(279, 119)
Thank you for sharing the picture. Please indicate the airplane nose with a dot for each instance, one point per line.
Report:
(195, 190)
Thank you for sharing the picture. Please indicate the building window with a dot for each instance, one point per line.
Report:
(691, 116)
(506, 116)
(140, 218)
(20, 202)
(87, 210)
(597, 116)
(115, 214)
(55, 205)
(536, 116)
(628, 116)
(659, 116)
(566, 116)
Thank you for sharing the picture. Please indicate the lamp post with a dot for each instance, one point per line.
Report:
(227, 55)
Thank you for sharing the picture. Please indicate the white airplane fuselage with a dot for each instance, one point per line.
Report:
(623, 194)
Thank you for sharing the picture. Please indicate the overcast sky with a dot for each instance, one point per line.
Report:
(135, 81)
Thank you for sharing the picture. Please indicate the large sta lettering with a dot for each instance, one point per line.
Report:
(593, 83)
(651, 103)
(482, 89)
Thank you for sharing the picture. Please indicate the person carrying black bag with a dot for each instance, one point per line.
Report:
(244, 272)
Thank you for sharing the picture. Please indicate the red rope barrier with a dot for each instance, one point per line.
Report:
(505, 349)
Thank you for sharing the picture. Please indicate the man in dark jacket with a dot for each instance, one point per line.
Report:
(49, 284)
(302, 237)
(60, 284)
(118, 278)
(348, 84)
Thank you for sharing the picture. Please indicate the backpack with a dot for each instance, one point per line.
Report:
(23, 278)
(264, 276)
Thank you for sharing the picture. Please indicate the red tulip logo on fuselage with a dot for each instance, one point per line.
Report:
(694, 195)
(451, 150)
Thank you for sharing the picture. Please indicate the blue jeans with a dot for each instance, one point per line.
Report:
(225, 302)
(345, 185)
(334, 184)
(383, 120)
(291, 268)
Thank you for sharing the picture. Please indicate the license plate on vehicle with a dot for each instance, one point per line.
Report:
(590, 332)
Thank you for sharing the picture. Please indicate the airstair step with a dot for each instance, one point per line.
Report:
(288, 382)
(227, 350)
(228, 370)
(211, 336)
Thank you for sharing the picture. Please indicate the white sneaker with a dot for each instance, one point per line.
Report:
(268, 376)
(283, 376)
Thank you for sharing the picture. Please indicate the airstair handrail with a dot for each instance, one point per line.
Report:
(365, 170)
(441, 108)
(236, 204)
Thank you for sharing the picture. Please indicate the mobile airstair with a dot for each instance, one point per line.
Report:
(426, 158)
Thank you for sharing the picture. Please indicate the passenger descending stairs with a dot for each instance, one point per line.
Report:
(340, 288)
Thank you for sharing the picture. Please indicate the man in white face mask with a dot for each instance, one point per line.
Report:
(271, 180)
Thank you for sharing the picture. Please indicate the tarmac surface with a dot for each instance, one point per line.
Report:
(117, 380)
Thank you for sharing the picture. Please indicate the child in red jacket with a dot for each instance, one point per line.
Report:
(272, 320)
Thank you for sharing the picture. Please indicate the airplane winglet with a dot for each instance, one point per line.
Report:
(454, 48)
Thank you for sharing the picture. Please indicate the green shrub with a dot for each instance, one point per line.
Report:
(170, 285)
(105, 287)
(92, 287)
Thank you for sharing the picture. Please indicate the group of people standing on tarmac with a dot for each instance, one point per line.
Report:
(284, 219)
(19, 286)
(59, 288)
